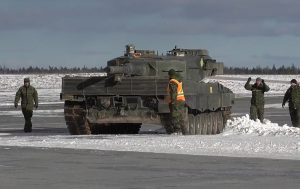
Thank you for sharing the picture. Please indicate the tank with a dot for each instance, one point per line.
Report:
(133, 92)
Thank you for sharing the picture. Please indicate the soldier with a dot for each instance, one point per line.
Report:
(292, 95)
(177, 103)
(29, 99)
(257, 101)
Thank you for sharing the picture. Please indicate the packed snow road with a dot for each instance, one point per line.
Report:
(29, 168)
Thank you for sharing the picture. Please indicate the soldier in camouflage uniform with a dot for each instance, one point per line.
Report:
(292, 95)
(177, 103)
(257, 101)
(29, 99)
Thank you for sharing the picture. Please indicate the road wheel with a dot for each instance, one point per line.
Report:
(214, 120)
(204, 117)
(191, 124)
(220, 122)
(226, 115)
(209, 124)
(198, 124)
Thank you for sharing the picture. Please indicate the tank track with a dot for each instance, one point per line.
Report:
(77, 124)
(210, 123)
(75, 118)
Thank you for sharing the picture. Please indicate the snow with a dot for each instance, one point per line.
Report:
(277, 106)
(37, 113)
(244, 125)
(242, 137)
(278, 83)
(47, 85)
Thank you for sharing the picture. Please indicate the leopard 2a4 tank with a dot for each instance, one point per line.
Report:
(133, 92)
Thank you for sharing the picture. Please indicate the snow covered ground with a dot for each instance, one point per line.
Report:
(47, 85)
(242, 138)
(278, 83)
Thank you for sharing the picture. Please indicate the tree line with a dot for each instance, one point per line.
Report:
(282, 70)
(49, 70)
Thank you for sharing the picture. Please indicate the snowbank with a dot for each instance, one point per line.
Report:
(244, 125)
(242, 138)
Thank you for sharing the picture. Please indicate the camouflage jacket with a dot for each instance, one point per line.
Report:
(258, 91)
(296, 96)
(288, 97)
(29, 97)
(292, 96)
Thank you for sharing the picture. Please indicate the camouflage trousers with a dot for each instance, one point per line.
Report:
(27, 116)
(257, 112)
(295, 116)
(178, 117)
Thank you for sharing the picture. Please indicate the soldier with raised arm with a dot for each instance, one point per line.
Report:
(258, 100)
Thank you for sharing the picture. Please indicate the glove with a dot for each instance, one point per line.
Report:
(283, 105)
(16, 105)
(249, 79)
(36, 106)
(263, 81)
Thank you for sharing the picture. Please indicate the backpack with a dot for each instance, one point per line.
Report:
(296, 96)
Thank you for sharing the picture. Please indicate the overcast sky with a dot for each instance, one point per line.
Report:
(90, 32)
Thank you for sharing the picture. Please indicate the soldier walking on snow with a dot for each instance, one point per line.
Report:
(177, 103)
(292, 95)
(29, 99)
(258, 100)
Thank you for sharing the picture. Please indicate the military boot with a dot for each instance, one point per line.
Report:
(28, 126)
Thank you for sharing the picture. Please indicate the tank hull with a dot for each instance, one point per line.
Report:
(141, 100)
